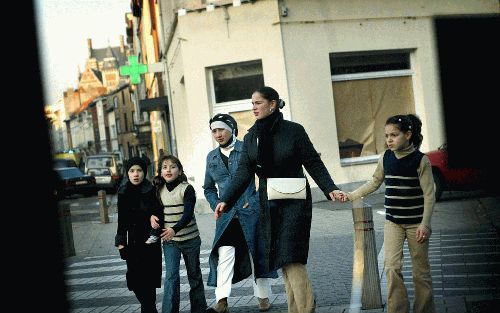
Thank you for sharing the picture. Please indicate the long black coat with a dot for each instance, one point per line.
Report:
(285, 226)
(135, 206)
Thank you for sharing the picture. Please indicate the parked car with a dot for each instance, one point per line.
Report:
(73, 154)
(95, 164)
(75, 182)
(446, 178)
(104, 179)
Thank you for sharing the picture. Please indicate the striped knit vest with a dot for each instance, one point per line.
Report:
(173, 208)
(404, 198)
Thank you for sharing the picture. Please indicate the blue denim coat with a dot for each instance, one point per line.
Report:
(217, 179)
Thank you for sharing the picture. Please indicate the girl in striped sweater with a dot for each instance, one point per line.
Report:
(409, 202)
(179, 235)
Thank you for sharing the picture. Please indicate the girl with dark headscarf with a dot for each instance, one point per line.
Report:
(136, 203)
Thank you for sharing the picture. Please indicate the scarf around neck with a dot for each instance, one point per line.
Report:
(264, 129)
(230, 143)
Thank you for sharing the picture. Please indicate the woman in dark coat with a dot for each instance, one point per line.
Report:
(278, 148)
(136, 203)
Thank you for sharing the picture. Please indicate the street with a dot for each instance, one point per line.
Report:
(464, 255)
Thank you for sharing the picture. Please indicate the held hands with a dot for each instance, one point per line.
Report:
(423, 233)
(338, 195)
(219, 209)
(342, 196)
(167, 234)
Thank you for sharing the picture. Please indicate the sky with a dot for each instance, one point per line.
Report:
(63, 27)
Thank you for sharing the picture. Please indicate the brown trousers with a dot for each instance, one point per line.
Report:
(397, 296)
(298, 289)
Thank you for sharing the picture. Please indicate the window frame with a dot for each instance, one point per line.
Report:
(232, 106)
(372, 75)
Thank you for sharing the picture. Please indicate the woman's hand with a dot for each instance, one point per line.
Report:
(121, 247)
(168, 234)
(154, 221)
(219, 209)
(423, 233)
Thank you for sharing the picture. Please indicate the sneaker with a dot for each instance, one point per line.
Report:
(264, 304)
(152, 239)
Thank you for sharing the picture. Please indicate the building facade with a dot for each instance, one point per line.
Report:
(341, 67)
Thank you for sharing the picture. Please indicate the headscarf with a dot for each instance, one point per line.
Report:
(137, 161)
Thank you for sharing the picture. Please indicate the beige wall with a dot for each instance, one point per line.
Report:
(295, 56)
(204, 40)
(314, 29)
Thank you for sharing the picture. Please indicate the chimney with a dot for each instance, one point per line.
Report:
(89, 46)
(122, 46)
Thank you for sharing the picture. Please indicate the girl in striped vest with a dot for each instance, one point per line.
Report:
(409, 202)
(179, 235)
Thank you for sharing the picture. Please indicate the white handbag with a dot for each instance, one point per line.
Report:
(286, 188)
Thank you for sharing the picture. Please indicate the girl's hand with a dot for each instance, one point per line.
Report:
(121, 247)
(219, 209)
(338, 195)
(154, 221)
(423, 233)
(167, 234)
(342, 196)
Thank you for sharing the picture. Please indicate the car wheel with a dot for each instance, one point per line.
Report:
(438, 184)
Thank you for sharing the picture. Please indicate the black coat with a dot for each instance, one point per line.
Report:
(144, 262)
(286, 227)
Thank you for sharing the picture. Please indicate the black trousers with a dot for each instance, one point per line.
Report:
(147, 298)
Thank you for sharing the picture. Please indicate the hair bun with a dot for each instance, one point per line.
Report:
(281, 103)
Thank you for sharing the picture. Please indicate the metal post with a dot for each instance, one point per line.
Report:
(103, 206)
(366, 279)
(65, 229)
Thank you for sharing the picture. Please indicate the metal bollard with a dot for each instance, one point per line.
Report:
(366, 279)
(65, 229)
(103, 206)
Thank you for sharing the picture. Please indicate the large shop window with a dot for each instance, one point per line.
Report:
(368, 88)
(232, 86)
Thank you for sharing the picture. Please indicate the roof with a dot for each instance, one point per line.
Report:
(101, 54)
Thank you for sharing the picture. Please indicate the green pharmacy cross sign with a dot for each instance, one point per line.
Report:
(134, 69)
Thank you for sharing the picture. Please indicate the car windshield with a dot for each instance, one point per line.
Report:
(70, 172)
(99, 162)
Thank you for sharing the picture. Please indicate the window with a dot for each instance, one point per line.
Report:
(118, 127)
(232, 86)
(115, 102)
(368, 87)
(236, 81)
(126, 121)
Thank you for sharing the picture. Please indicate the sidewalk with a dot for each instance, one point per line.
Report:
(464, 255)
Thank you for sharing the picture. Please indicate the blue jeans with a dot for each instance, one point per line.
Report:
(190, 250)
